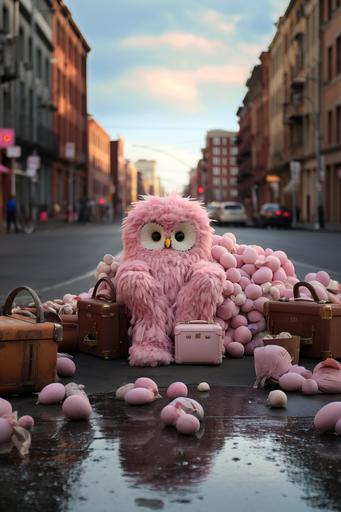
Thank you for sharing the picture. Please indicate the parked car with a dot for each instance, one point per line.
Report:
(275, 215)
(213, 209)
(232, 213)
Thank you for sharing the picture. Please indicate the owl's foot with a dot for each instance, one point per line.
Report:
(146, 355)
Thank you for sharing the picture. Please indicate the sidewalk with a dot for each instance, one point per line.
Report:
(245, 454)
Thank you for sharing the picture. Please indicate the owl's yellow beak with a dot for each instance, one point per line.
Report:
(168, 243)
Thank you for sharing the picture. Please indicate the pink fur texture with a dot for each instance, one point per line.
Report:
(162, 286)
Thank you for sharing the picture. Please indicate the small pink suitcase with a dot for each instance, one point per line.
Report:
(198, 342)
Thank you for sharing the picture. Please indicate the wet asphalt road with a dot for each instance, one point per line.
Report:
(63, 260)
(246, 455)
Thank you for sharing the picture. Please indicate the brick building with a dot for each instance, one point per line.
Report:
(70, 124)
(217, 170)
(99, 186)
(331, 109)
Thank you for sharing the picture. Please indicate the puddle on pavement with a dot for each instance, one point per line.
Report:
(123, 459)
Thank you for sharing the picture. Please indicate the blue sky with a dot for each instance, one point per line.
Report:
(163, 72)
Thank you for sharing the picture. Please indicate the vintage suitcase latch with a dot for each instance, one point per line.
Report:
(91, 339)
(326, 312)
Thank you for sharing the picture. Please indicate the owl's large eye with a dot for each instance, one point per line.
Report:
(183, 237)
(152, 236)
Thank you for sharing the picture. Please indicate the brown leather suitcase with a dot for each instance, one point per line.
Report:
(28, 348)
(103, 325)
(318, 323)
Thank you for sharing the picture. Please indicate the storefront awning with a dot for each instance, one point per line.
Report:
(4, 169)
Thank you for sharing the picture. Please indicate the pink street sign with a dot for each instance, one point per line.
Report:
(7, 137)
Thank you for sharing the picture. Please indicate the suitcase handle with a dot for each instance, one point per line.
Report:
(111, 286)
(7, 309)
(303, 284)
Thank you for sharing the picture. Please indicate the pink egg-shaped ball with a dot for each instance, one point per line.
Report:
(227, 310)
(254, 316)
(227, 340)
(67, 298)
(273, 262)
(282, 256)
(221, 322)
(237, 289)
(289, 268)
(239, 260)
(260, 261)
(242, 335)
(262, 275)
(309, 387)
(338, 427)
(252, 345)
(169, 415)
(77, 407)
(227, 260)
(187, 424)
(26, 422)
(108, 259)
(217, 251)
(327, 417)
(139, 396)
(280, 275)
(253, 291)
(6, 431)
(146, 382)
(268, 251)
(275, 293)
(241, 248)
(240, 299)
(228, 288)
(216, 239)
(259, 303)
(233, 274)
(5, 407)
(323, 277)
(238, 321)
(320, 290)
(52, 394)
(231, 235)
(250, 255)
(176, 389)
(310, 277)
(235, 349)
(291, 381)
(249, 268)
(227, 242)
(65, 367)
(247, 306)
(244, 282)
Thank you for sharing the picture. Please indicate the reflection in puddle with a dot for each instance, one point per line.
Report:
(125, 460)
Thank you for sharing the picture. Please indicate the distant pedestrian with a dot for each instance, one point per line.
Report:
(11, 213)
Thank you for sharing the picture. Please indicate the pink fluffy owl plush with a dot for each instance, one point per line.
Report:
(166, 273)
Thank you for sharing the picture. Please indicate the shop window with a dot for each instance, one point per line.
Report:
(338, 55)
(330, 63)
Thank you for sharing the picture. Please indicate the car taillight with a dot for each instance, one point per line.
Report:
(278, 213)
(286, 214)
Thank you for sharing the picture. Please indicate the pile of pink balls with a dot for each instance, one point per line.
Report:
(253, 277)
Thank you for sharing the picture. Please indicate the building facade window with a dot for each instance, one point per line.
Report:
(216, 171)
(234, 151)
(216, 160)
(234, 171)
(330, 63)
(338, 124)
(338, 55)
(330, 127)
(216, 151)
(216, 182)
(216, 141)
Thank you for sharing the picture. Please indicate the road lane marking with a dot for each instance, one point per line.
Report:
(91, 273)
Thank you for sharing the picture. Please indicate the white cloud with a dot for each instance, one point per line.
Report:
(174, 40)
(182, 88)
(216, 21)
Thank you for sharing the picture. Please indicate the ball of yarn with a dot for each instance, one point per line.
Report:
(235, 349)
(253, 291)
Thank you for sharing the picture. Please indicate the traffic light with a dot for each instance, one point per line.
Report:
(200, 189)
